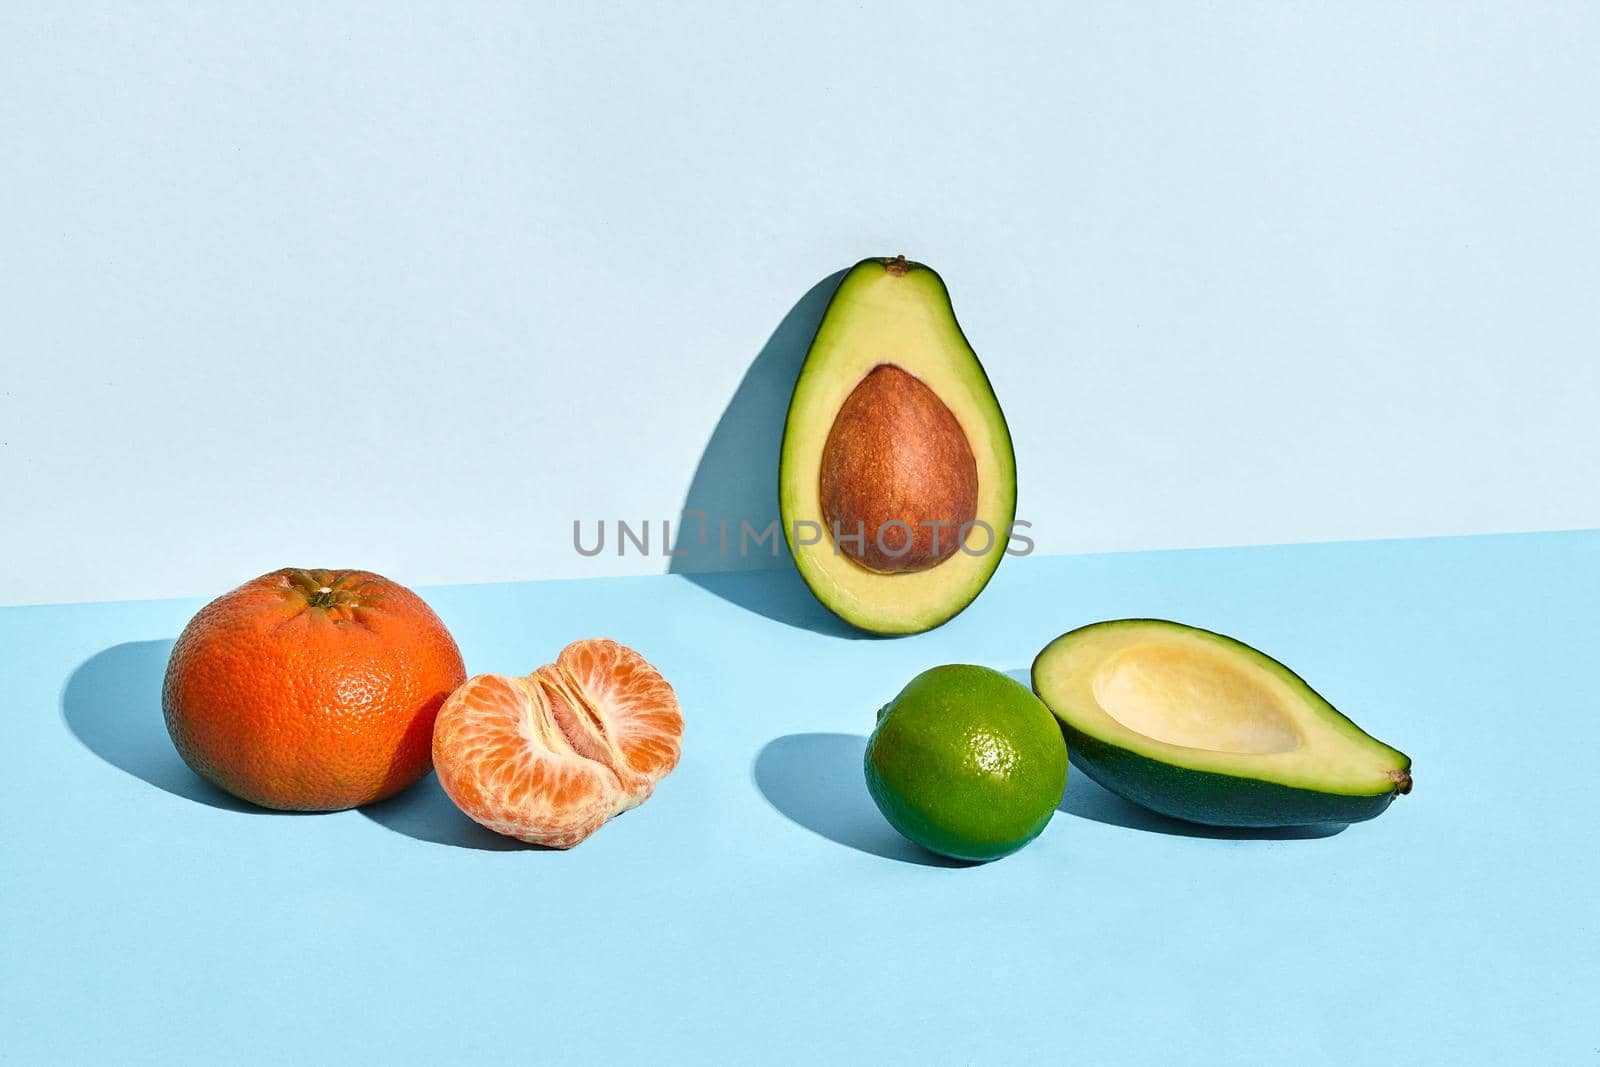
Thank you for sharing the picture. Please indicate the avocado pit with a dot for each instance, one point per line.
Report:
(897, 468)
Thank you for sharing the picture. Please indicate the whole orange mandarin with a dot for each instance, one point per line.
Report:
(311, 690)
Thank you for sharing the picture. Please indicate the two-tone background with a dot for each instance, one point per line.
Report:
(412, 288)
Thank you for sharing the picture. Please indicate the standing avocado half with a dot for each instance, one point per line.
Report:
(897, 484)
(1201, 727)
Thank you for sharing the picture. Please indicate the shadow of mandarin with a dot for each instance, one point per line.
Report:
(112, 704)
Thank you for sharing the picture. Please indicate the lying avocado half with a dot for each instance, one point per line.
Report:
(1201, 727)
(897, 484)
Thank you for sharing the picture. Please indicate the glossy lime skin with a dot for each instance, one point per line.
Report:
(967, 763)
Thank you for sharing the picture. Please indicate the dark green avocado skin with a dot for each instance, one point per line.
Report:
(1212, 799)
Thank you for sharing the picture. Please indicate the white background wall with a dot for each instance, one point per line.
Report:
(412, 288)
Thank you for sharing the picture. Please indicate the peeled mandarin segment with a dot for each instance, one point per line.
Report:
(578, 722)
(634, 708)
(587, 732)
(504, 760)
(550, 757)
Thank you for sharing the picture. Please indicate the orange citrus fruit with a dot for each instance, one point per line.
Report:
(310, 690)
(549, 757)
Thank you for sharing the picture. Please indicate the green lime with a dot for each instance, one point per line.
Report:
(967, 763)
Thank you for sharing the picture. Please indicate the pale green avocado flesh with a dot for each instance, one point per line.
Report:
(1201, 727)
(894, 313)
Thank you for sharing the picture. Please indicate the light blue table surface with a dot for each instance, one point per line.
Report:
(758, 909)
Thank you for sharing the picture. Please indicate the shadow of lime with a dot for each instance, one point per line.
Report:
(816, 781)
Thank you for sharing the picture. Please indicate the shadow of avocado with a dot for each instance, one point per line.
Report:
(112, 704)
(737, 480)
(779, 595)
(426, 813)
(816, 781)
(1088, 799)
